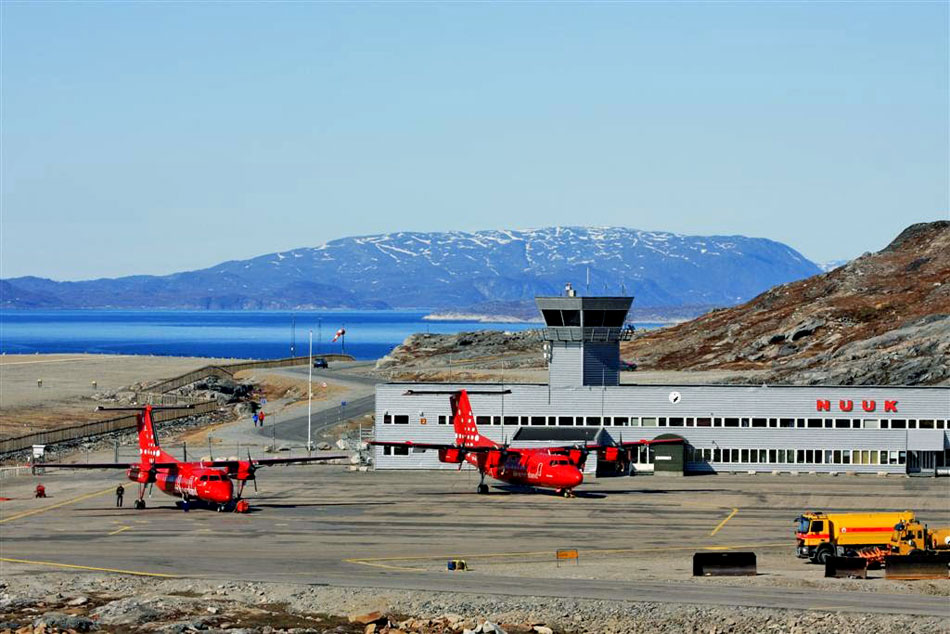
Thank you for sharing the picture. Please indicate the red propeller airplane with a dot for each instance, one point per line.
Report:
(558, 468)
(207, 482)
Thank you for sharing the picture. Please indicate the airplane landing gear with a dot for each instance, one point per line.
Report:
(482, 489)
(567, 493)
(139, 504)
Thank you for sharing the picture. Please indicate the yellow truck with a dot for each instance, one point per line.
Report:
(909, 538)
(822, 535)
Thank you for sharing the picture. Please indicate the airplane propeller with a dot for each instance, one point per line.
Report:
(251, 469)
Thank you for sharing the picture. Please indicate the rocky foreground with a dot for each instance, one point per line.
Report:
(57, 602)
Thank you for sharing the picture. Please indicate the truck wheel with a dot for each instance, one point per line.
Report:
(823, 555)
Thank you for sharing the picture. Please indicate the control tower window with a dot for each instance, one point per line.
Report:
(604, 318)
(552, 317)
(571, 317)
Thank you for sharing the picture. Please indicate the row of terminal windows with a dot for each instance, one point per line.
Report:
(724, 455)
(796, 456)
(690, 421)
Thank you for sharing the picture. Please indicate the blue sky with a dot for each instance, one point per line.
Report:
(158, 137)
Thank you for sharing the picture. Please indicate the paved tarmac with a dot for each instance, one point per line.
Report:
(325, 525)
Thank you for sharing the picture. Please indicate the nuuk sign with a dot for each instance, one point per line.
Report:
(823, 405)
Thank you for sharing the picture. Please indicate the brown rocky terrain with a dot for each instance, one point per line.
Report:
(884, 318)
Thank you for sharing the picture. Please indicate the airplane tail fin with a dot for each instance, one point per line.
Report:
(149, 450)
(466, 431)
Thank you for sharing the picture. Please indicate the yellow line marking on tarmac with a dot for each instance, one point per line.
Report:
(364, 562)
(723, 522)
(55, 564)
(54, 506)
(369, 561)
(120, 530)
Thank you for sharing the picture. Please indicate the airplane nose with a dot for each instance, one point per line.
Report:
(577, 477)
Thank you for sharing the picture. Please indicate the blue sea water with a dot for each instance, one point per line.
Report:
(238, 334)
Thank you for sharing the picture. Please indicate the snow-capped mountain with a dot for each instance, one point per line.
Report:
(831, 265)
(453, 270)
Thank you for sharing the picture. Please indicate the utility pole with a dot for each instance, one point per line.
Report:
(310, 395)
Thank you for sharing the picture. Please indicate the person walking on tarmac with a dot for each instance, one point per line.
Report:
(262, 418)
(255, 419)
(119, 493)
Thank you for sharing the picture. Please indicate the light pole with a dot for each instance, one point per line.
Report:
(309, 394)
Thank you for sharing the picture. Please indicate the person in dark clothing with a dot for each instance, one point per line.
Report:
(119, 493)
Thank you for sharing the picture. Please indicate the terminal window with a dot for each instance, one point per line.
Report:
(538, 420)
(565, 421)
(511, 420)
(401, 419)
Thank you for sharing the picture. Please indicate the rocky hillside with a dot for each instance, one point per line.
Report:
(452, 270)
(883, 318)
(483, 349)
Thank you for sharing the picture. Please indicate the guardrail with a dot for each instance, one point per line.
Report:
(97, 428)
(155, 395)
(228, 371)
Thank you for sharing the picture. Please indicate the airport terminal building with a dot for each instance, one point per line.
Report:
(725, 427)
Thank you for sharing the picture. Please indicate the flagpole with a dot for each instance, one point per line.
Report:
(309, 394)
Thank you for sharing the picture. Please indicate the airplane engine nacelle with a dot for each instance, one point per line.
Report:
(454, 456)
(577, 456)
(133, 473)
(244, 471)
(611, 454)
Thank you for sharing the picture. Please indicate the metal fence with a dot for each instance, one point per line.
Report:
(97, 428)
(228, 371)
(156, 395)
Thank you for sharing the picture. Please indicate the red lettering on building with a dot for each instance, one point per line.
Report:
(846, 406)
(868, 406)
(823, 406)
(890, 406)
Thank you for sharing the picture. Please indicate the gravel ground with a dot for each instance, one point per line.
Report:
(111, 603)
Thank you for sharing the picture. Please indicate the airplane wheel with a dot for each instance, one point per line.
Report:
(139, 504)
(482, 489)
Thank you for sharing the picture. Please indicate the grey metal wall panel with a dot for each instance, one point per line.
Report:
(566, 367)
(653, 400)
(601, 363)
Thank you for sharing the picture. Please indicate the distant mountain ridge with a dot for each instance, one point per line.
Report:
(451, 270)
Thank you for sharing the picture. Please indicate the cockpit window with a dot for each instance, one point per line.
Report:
(557, 462)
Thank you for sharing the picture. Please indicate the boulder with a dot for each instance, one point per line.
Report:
(60, 621)
(128, 611)
(366, 618)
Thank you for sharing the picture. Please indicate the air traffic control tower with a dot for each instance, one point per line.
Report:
(582, 338)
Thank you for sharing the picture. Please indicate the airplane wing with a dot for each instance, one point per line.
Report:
(86, 465)
(424, 446)
(642, 441)
(264, 462)
(103, 465)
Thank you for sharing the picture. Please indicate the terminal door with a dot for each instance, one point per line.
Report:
(922, 461)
